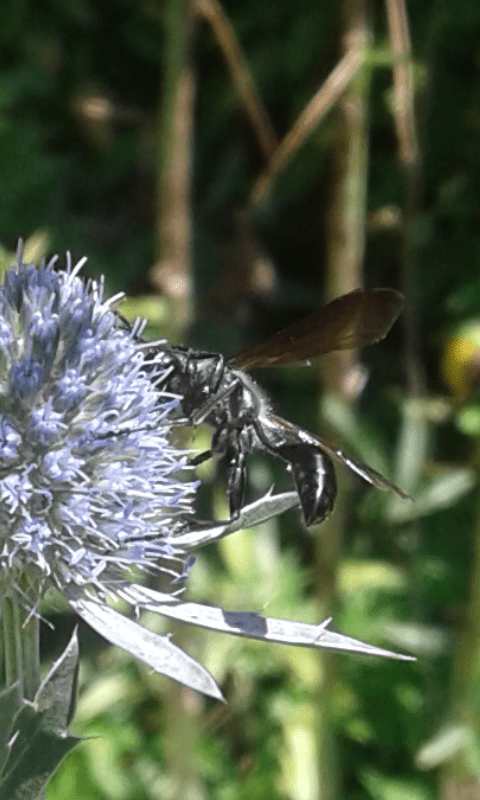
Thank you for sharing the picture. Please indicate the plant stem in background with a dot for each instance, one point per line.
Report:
(173, 270)
(344, 273)
(458, 778)
(240, 73)
(173, 246)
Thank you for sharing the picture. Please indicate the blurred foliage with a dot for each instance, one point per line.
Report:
(82, 91)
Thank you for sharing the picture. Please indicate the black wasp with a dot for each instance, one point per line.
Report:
(218, 392)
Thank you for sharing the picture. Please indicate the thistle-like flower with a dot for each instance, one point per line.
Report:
(89, 489)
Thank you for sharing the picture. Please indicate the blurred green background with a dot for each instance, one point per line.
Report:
(232, 167)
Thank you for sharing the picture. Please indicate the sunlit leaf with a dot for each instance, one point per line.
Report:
(440, 493)
(449, 741)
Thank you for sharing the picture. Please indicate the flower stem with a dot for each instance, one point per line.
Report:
(21, 641)
(11, 643)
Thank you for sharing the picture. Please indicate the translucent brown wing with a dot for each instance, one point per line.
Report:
(363, 470)
(353, 320)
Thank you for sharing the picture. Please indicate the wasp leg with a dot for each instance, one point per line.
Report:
(236, 458)
(216, 377)
(202, 413)
(200, 458)
(236, 479)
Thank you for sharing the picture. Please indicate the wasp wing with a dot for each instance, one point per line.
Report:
(367, 473)
(353, 320)
(295, 434)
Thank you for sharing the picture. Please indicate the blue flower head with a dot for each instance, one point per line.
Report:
(88, 483)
